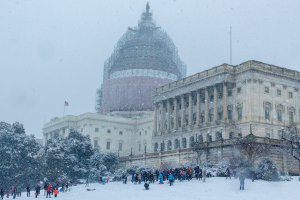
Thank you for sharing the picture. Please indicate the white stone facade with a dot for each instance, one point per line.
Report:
(223, 101)
(123, 134)
(220, 103)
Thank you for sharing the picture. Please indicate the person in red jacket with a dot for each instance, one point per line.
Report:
(49, 189)
(55, 192)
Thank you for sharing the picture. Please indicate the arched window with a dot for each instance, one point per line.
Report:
(279, 112)
(239, 109)
(267, 110)
(156, 147)
(183, 142)
(211, 115)
(192, 141)
(231, 135)
(169, 145)
(200, 138)
(162, 146)
(292, 112)
(208, 138)
(219, 136)
(176, 144)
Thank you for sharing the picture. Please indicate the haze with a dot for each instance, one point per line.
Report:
(52, 51)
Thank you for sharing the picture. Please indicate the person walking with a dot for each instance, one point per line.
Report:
(146, 185)
(49, 190)
(200, 174)
(242, 181)
(14, 192)
(55, 192)
(171, 179)
(204, 175)
(1, 193)
(161, 178)
(28, 190)
(228, 174)
(37, 190)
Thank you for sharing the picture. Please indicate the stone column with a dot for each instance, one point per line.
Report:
(168, 115)
(175, 113)
(225, 115)
(198, 109)
(190, 109)
(155, 119)
(206, 105)
(162, 126)
(215, 103)
(182, 110)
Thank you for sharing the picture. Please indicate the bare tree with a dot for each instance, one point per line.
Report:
(252, 148)
(290, 136)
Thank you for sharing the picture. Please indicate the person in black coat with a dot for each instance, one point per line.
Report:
(200, 174)
(146, 185)
(228, 174)
(28, 190)
(37, 191)
(1, 193)
(197, 170)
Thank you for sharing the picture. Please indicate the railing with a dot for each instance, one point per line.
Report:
(232, 69)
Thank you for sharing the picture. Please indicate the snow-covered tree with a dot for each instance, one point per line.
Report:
(56, 160)
(110, 161)
(267, 170)
(21, 156)
(96, 168)
(78, 149)
(291, 138)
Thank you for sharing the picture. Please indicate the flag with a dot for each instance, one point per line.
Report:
(66, 103)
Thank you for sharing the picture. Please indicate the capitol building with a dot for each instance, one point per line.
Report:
(150, 113)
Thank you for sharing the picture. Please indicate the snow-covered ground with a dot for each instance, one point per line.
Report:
(213, 188)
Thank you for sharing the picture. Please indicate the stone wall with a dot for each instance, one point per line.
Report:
(215, 152)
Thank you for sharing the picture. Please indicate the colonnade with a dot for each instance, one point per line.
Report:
(184, 111)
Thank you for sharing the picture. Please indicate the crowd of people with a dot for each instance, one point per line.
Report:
(49, 190)
(137, 177)
(170, 175)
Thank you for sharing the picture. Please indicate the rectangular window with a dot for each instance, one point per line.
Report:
(229, 92)
(290, 95)
(240, 114)
(291, 117)
(279, 115)
(278, 92)
(96, 143)
(120, 132)
(140, 146)
(239, 90)
(229, 115)
(108, 145)
(211, 98)
(267, 114)
(220, 115)
(108, 131)
(120, 146)
(267, 90)
(96, 130)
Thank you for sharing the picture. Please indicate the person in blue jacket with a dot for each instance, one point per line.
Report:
(161, 178)
(171, 179)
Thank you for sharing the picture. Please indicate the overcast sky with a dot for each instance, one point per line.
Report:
(54, 50)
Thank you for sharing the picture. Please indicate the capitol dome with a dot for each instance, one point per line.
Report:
(144, 58)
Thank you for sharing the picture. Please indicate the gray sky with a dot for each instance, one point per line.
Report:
(54, 50)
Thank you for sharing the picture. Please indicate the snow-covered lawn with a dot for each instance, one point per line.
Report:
(213, 188)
